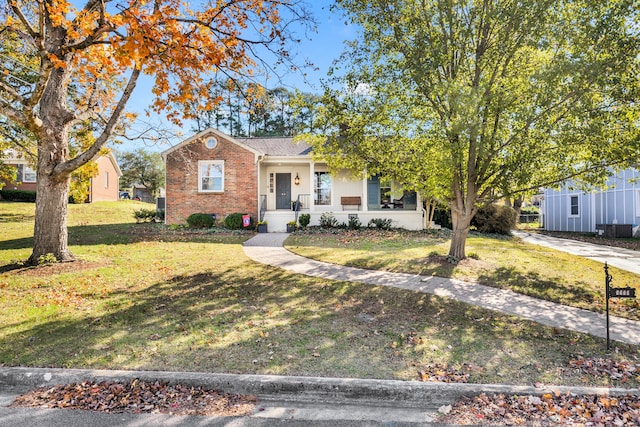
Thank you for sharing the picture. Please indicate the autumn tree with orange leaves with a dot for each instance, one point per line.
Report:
(89, 60)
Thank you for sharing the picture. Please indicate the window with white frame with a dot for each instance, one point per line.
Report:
(211, 176)
(322, 188)
(106, 179)
(26, 174)
(574, 205)
(638, 203)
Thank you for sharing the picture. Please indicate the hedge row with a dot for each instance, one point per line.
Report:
(18, 195)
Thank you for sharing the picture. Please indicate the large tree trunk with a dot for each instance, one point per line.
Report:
(52, 191)
(461, 221)
(462, 212)
(52, 197)
(50, 232)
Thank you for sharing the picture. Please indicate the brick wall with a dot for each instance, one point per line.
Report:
(240, 182)
(25, 186)
(104, 186)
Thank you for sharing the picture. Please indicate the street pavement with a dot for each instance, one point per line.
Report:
(304, 401)
(282, 400)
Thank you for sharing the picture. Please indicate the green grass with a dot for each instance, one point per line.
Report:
(143, 296)
(498, 261)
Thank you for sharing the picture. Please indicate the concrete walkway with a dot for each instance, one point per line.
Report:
(268, 249)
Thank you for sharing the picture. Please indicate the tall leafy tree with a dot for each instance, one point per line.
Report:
(80, 53)
(250, 109)
(492, 97)
(305, 112)
(142, 167)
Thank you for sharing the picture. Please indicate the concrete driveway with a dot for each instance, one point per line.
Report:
(624, 259)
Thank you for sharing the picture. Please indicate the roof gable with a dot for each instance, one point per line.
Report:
(205, 133)
(268, 146)
(114, 162)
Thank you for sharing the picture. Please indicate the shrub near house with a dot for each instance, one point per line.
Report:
(495, 219)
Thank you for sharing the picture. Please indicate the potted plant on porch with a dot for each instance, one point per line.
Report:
(291, 226)
(262, 226)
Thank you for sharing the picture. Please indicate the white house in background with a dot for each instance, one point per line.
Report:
(574, 210)
(215, 173)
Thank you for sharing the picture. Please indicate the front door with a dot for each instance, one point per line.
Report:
(283, 191)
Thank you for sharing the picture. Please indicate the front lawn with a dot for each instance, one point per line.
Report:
(493, 260)
(144, 296)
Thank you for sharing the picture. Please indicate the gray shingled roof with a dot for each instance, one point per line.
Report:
(277, 146)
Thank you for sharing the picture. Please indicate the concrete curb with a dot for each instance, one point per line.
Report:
(368, 392)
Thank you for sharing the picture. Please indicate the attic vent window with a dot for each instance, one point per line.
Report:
(211, 142)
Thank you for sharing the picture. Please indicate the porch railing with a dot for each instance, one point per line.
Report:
(303, 201)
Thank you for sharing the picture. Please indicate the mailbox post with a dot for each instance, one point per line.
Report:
(612, 292)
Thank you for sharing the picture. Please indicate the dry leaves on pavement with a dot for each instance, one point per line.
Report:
(138, 397)
(552, 409)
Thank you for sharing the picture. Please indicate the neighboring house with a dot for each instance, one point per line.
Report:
(103, 187)
(217, 174)
(142, 193)
(26, 176)
(573, 210)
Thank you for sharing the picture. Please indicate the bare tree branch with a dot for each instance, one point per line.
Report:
(102, 139)
(23, 19)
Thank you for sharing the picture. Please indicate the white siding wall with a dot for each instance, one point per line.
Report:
(619, 203)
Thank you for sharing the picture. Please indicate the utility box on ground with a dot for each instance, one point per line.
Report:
(614, 230)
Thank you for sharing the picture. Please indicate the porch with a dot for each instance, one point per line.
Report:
(289, 188)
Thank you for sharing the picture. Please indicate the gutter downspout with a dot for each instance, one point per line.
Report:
(259, 159)
(164, 157)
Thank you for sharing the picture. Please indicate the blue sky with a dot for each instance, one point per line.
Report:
(320, 48)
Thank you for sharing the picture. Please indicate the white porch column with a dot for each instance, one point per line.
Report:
(312, 172)
(365, 196)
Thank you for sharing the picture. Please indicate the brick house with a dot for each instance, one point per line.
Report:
(105, 185)
(102, 187)
(25, 176)
(214, 173)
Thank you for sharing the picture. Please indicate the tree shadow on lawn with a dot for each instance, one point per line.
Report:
(11, 217)
(433, 265)
(576, 294)
(272, 322)
(122, 234)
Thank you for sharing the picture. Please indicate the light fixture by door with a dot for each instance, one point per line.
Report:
(296, 180)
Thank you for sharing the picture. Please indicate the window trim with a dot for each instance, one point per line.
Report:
(31, 172)
(202, 163)
(211, 142)
(316, 181)
(571, 214)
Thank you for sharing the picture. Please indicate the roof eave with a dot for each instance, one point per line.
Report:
(202, 134)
